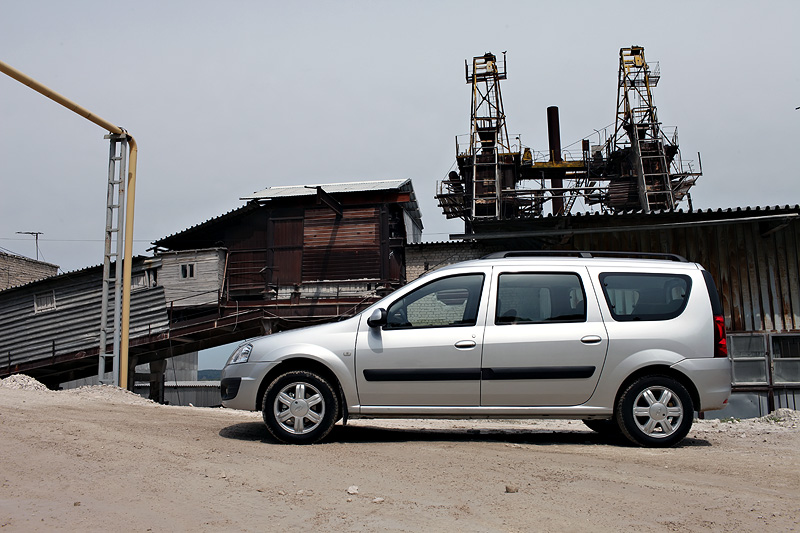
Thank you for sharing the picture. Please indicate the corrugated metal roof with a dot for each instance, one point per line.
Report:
(288, 191)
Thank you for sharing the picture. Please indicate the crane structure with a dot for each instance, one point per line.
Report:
(637, 169)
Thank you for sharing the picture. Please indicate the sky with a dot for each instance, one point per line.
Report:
(227, 98)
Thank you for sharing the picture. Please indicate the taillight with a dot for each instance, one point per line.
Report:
(720, 341)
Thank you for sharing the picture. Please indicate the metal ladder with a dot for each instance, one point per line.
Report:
(655, 186)
(486, 188)
(115, 219)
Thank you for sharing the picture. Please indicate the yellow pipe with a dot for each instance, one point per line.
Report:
(130, 195)
(129, 201)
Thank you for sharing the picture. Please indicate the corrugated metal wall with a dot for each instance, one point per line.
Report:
(74, 324)
(754, 266)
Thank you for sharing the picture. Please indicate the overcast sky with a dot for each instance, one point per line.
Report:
(226, 98)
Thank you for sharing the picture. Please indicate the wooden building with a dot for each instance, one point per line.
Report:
(297, 255)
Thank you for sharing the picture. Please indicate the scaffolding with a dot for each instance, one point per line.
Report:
(651, 175)
(638, 168)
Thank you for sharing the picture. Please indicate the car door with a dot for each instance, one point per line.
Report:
(545, 341)
(428, 353)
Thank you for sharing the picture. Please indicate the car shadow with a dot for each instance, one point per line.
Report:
(257, 431)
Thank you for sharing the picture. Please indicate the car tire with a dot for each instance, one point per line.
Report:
(300, 407)
(655, 411)
(606, 427)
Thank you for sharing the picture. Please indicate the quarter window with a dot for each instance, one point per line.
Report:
(634, 296)
(445, 302)
(533, 298)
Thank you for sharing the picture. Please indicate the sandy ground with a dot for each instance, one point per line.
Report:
(99, 459)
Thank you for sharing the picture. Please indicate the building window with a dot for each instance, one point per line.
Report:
(786, 359)
(139, 281)
(187, 271)
(748, 354)
(45, 301)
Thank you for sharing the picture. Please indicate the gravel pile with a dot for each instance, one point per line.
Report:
(21, 382)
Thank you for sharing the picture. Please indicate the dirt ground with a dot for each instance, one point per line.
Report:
(100, 458)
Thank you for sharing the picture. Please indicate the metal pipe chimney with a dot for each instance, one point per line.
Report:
(554, 137)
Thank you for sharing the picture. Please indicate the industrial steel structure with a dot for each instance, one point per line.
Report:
(637, 169)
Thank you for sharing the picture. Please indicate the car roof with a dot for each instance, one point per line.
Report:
(544, 260)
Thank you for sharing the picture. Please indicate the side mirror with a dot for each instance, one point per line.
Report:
(377, 319)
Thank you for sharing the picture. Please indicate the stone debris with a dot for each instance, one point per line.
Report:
(379, 500)
(511, 489)
(352, 489)
(21, 382)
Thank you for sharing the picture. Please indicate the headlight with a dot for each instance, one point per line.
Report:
(241, 354)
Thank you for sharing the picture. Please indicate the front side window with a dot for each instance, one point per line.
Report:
(445, 302)
(634, 296)
(538, 297)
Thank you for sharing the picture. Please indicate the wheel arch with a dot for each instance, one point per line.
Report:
(660, 370)
(307, 364)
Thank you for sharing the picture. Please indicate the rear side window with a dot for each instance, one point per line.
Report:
(537, 297)
(635, 296)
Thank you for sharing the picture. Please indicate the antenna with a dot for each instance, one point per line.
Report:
(36, 236)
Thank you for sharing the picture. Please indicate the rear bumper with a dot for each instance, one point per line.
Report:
(711, 378)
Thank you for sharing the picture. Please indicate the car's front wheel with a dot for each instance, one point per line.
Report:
(655, 411)
(300, 407)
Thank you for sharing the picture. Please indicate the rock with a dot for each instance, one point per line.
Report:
(378, 500)
(510, 489)
(352, 489)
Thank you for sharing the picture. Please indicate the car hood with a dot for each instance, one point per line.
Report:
(267, 347)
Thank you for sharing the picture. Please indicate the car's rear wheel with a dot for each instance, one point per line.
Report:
(300, 407)
(655, 411)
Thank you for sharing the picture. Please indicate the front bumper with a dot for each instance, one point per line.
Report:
(239, 384)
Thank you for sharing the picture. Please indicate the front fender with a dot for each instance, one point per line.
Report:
(342, 366)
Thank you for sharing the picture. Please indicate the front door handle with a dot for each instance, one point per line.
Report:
(465, 344)
(591, 339)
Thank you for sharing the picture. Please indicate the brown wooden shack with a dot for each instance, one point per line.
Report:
(296, 255)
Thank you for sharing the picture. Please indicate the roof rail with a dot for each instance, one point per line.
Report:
(585, 254)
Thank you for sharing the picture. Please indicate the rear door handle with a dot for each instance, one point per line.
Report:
(465, 344)
(591, 339)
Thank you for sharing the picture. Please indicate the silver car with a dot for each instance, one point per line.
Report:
(630, 346)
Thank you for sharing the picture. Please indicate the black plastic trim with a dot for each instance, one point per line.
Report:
(542, 372)
(229, 388)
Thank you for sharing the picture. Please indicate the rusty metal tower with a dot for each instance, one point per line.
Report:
(653, 177)
(485, 159)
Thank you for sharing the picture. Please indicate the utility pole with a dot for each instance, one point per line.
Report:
(36, 236)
